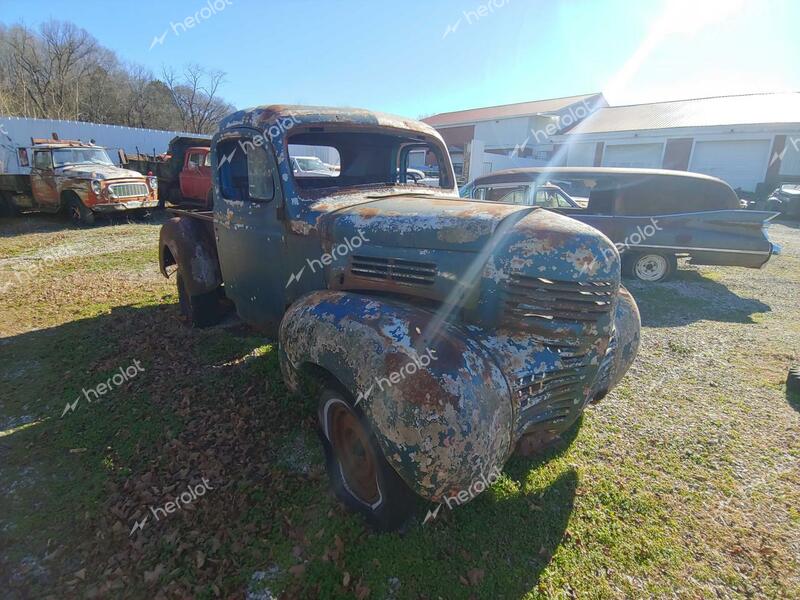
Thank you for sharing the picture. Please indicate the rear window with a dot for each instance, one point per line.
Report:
(334, 159)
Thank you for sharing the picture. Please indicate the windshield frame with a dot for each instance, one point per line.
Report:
(406, 137)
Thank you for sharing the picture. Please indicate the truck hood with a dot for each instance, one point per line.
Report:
(412, 221)
(100, 172)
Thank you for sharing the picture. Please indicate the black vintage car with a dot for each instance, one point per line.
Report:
(654, 216)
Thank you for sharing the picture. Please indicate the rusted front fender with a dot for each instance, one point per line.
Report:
(624, 343)
(189, 244)
(440, 407)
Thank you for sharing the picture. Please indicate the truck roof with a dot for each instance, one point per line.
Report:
(262, 117)
(52, 143)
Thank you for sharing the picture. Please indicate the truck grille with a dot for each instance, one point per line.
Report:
(529, 299)
(127, 190)
(393, 269)
(550, 397)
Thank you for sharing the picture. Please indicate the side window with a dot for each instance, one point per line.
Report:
(514, 197)
(23, 158)
(550, 199)
(260, 178)
(42, 160)
(562, 201)
(194, 160)
(509, 194)
(207, 159)
(420, 166)
(245, 171)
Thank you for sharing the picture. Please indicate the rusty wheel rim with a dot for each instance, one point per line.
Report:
(357, 460)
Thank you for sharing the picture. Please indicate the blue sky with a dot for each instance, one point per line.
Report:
(402, 58)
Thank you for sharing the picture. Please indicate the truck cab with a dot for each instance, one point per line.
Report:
(445, 333)
(77, 178)
(195, 176)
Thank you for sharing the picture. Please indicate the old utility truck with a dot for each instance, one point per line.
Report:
(72, 177)
(446, 333)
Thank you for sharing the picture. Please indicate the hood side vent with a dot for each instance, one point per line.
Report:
(393, 269)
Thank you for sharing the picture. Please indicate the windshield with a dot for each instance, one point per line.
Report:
(341, 158)
(80, 156)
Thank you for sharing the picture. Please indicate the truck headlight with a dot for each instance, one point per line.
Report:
(96, 187)
(153, 181)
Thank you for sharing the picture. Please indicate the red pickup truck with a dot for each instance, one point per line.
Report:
(184, 171)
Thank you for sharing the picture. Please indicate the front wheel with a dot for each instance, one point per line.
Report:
(359, 473)
(200, 310)
(651, 267)
(79, 214)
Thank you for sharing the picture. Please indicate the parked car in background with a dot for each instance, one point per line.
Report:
(785, 199)
(311, 166)
(653, 216)
(183, 172)
(73, 177)
(444, 333)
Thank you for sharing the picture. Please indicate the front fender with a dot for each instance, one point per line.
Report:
(442, 423)
(625, 345)
(189, 243)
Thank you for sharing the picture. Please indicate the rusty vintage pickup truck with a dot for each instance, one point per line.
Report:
(72, 177)
(446, 333)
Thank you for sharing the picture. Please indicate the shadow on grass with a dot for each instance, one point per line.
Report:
(691, 297)
(201, 408)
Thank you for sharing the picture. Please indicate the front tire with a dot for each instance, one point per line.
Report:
(651, 268)
(200, 310)
(79, 214)
(360, 475)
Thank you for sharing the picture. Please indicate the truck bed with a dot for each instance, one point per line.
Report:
(203, 215)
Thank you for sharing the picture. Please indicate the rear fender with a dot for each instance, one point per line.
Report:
(439, 406)
(189, 244)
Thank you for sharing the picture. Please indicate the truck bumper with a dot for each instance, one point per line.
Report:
(114, 207)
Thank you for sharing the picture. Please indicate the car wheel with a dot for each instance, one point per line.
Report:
(7, 206)
(200, 310)
(79, 214)
(651, 267)
(360, 475)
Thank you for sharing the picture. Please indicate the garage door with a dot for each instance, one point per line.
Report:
(581, 155)
(647, 156)
(742, 163)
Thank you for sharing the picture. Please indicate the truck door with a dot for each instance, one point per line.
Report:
(43, 181)
(250, 228)
(189, 175)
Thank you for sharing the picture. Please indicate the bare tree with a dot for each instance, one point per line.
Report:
(60, 71)
(195, 95)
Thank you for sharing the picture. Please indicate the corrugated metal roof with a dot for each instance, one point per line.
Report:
(751, 109)
(506, 111)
